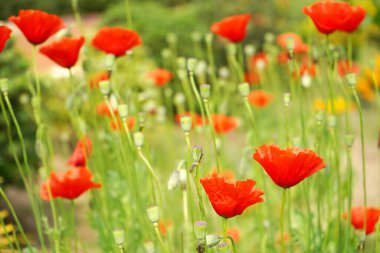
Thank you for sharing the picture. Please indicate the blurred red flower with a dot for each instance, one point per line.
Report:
(95, 79)
(259, 61)
(287, 167)
(117, 125)
(103, 110)
(230, 198)
(69, 184)
(372, 217)
(345, 67)
(196, 118)
(330, 16)
(81, 152)
(37, 26)
(233, 28)
(308, 69)
(299, 46)
(159, 76)
(234, 233)
(223, 123)
(252, 77)
(64, 52)
(116, 40)
(260, 98)
(5, 34)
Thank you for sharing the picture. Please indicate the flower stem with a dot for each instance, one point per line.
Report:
(283, 248)
(160, 238)
(357, 100)
(213, 135)
(78, 19)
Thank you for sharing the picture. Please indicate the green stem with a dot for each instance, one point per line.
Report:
(213, 135)
(75, 234)
(78, 19)
(225, 228)
(357, 100)
(283, 248)
(4, 196)
(160, 238)
(128, 13)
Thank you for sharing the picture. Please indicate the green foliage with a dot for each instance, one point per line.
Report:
(15, 71)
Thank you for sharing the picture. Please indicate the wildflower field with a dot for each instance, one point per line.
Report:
(190, 126)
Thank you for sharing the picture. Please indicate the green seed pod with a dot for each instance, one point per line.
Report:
(205, 91)
(153, 214)
(186, 123)
(123, 111)
(200, 228)
(244, 89)
(119, 236)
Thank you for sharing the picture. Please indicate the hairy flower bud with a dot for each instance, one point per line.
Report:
(119, 236)
(153, 214)
(200, 228)
(244, 89)
(105, 87)
(205, 91)
(138, 137)
(123, 111)
(186, 123)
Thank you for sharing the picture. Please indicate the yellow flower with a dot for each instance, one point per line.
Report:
(340, 105)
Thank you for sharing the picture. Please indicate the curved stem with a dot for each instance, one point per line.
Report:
(160, 238)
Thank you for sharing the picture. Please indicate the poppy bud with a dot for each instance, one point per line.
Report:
(105, 87)
(209, 37)
(196, 36)
(201, 68)
(269, 37)
(138, 137)
(224, 72)
(351, 79)
(119, 237)
(222, 247)
(197, 154)
(149, 247)
(186, 123)
(182, 74)
(166, 53)
(205, 91)
(153, 214)
(173, 180)
(349, 140)
(331, 121)
(110, 60)
(244, 89)
(191, 64)
(249, 50)
(181, 62)
(123, 111)
(212, 240)
(179, 98)
(296, 141)
(306, 80)
(4, 85)
(200, 229)
(171, 38)
(286, 99)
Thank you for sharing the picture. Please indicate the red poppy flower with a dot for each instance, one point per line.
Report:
(308, 69)
(372, 217)
(233, 28)
(357, 16)
(223, 123)
(229, 198)
(37, 26)
(69, 184)
(252, 77)
(260, 98)
(299, 46)
(5, 34)
(159, 76)
(97, 78)
(328, 16)
(64, 52)
(117, 125)
(345, 67)
(103, 110)
(288, 167)
(116, 40)
(283, 57)
(81, 152)
(259, 61)
(196, 118)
